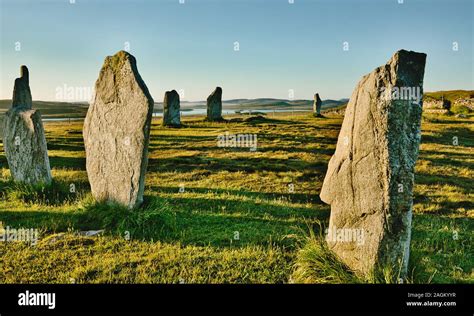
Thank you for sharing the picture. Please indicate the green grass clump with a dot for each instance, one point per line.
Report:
(316, 263)
(154, 220)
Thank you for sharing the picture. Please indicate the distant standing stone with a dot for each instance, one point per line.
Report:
(214, 105)
(116, 132)
(21, 90)
(171, 109)
(317, 105)
(370, 177)
(23, 137)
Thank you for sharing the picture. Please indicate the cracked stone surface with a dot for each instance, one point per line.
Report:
(116, 132)
(369, 181)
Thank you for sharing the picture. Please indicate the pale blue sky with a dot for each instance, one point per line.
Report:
(191, 46)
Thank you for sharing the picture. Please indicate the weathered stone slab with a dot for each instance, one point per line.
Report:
(369, 181)
(214, 105)
(116, 132)
(25, 146)
(24, 140)
(171, 109)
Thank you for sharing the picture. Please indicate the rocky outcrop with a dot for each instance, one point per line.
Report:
(431, 105)
(369, 181)
(467, 102)
(116, 132)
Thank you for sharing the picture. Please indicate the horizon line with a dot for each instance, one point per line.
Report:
(227, 100)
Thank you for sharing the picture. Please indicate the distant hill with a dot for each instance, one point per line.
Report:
(51, 109)
(450, 95)
(278, 103)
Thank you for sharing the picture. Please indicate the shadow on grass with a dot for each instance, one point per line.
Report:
(249, 165)
(465, 183)
(73, 163)
(61, 146)
(65, 139)
(215, 222)
(287, 197)
(457, 208)
(463, 134)
(56, 193)
(452, 159)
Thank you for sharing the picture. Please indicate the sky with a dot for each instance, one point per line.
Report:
(251, 48)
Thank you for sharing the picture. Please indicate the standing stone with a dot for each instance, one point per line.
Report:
(214, 105)
(21, 90)
(23, 137)
(369, 181)
(317, 105)
(171, 114)
(116, 132)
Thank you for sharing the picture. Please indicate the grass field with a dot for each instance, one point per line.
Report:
(229, 215)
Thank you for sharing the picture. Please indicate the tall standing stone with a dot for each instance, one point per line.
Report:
(214, 105)
(116, 132)
(171, 110)
(317, 105)
(369, 181)
(23, 137)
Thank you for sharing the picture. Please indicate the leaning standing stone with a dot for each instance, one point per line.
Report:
(369, 181)
(214, 105)
(116, 132)
(23, 137)
(171, 114)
